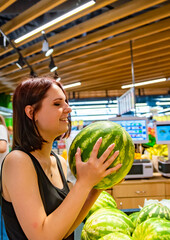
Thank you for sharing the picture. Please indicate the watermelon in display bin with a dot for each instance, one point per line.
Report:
(105, 221)
(104, 200)
(152, 229)
(133, 216)
(153, 210)
(111, 133)
(116, 236)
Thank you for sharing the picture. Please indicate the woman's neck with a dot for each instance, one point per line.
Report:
(43, 153)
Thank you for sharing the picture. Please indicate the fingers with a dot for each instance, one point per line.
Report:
(112, 170)
(111, 159)
(107, 152)
(78, 155)
(96, 148)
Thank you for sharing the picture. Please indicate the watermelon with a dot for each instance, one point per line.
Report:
(133, 217)
(111, 133)
(153, 210)
(152, 229)
(116, 236)
(104, 200)
(105, 221)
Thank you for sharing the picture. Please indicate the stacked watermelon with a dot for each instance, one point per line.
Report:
(111, 133)
(104, 200)
(153, 210)
(133, 216)
(152, 229)
(153, 223)
(105, 221)
(109, 223)
(116, 236)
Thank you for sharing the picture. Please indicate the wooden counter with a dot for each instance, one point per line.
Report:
(132, 193)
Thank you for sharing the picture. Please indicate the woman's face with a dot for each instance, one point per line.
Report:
(52, 118)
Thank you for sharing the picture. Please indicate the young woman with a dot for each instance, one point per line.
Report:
(36, 201)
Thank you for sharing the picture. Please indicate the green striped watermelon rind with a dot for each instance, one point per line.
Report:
(88, 136)
(105, 221)
(104, 200)
(133, 216)
(153, 210)
(152, 229)
(116, 236)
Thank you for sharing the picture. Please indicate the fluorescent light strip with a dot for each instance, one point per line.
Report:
(144, 83)
(164, 110)
(163, 103)
(59, 19)
(94, 102)
(163, 99)
(58, 79)
(90, 102)
(92, 107)
(141, 104)
(72, 85)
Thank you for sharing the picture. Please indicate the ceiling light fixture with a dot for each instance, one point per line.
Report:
(72, 85)
(58, 19)
(3, 40)
(163, 99)
(58, 79)
(144, 83)
(45, 46)
(20, 62)
(52, 65)
(163, 103)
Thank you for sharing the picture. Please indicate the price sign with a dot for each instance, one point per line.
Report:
(126, 102)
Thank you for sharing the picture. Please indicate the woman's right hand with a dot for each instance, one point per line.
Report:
(95, 169)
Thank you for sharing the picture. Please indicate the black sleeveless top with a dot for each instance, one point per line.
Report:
(51, 197)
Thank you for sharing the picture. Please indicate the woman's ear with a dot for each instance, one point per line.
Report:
(29, 111)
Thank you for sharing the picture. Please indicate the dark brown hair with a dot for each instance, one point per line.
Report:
(31, 92)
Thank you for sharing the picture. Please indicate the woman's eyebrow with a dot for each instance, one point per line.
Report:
(58, 99)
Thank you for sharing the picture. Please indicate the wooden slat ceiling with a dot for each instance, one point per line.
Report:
(95, 51)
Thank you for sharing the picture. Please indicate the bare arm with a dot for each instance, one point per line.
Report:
(3, 146)
(28, 204)
(92, 197)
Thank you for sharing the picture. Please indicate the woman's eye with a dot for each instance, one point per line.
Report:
(56, 104)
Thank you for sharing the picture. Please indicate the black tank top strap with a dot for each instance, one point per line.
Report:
(60, 169)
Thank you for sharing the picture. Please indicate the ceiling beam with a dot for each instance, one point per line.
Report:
(99, 4)
(5, 4)
(95, 22)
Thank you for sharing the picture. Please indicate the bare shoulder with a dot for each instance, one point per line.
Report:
(16, 161)
(18, 170)
(16, 157)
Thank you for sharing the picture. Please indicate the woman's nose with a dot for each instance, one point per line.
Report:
(68, 109)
